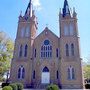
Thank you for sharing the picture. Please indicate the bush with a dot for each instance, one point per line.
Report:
(19, 86)
(52, 87)
(7, 88)
(4, 84)
(87, 86)
(14, 86)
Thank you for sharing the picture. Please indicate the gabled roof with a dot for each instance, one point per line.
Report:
(47, 31)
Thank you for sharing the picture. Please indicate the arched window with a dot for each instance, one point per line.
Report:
(26, 50)
(34, 74)
(21, 73)
(46, 49)
(45, 69)
(71, 73)
(20, 51)
(67, 50)
(72, 49)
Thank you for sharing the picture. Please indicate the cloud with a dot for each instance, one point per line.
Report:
(37, 4)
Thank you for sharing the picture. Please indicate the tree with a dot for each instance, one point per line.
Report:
(6, 52)
(86, 69)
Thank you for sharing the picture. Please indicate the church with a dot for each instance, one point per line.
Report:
(47, 58)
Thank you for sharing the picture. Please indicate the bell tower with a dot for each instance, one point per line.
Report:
(23, 51)
(68, 21)
(27, 25)
(71, 71)
(27, 29)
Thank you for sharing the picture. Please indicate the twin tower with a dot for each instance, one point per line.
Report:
(47, 59)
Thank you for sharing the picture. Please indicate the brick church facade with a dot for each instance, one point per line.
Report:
(46, 58)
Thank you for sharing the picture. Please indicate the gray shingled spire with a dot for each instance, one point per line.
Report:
(66, 10)
(29, 9)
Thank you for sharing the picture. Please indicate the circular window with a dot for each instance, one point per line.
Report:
(46, 42)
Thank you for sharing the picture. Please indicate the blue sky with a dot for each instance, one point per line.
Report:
(47, 13)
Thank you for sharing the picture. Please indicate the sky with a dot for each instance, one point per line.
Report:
(47, 12)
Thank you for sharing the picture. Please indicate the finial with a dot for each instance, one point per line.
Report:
(60, 11)
(33, 12)
(21, 13)
(71, 11)
(74, 12)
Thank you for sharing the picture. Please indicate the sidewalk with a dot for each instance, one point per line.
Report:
(34, 89)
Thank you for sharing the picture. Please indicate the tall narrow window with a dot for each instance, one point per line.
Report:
(67, 50)
(20, 51)
(46, 49)
(72, 49)
(25, 53)
(71, 73)
(57, 74)
(57, 53)
(35, 53)
(34, 74)
(21, 73)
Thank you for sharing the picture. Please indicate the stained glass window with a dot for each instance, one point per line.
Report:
(46, 49)
(46, 42)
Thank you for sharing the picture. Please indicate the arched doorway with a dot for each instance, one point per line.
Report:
(45, 77)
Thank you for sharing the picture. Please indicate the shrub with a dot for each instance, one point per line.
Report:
(14, 86)
(87, 86)
(4, 84)
(19, 86)
(52, 87)
(7, 88)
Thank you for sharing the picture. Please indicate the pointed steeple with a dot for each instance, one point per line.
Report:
(29, 9)
(66, 10)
